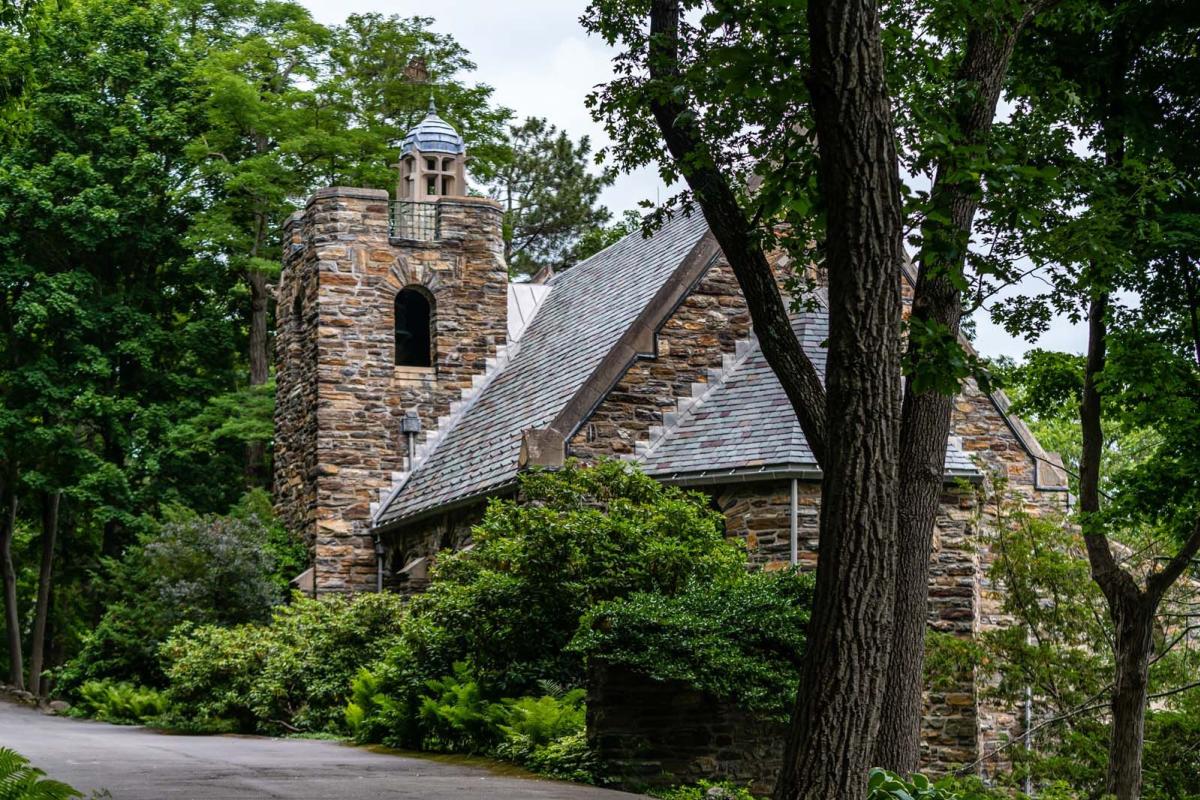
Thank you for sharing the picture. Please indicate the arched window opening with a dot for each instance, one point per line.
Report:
(447, 164)
(298, 308)
(447, 186)
(413, 320)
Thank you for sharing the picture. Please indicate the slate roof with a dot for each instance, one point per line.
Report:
(587, 310)
(745, 424)
(433, 135)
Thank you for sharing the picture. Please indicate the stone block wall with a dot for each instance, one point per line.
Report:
(338, 439)
(419, 543)
(655, 734)
(705, 326)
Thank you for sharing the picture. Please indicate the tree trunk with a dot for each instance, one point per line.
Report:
(926, 416)
(832, 737)
(1133, 620)
(37, 648)
(12, 618)
(259, 367)
(852, 423)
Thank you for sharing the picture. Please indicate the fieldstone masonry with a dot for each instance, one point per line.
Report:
(341, 397)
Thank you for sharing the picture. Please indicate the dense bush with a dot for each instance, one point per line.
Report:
(451, 714)
(579, 536)
(205, 570)
(122, 703)
(706, 790)
(291, 674)
(741, 638)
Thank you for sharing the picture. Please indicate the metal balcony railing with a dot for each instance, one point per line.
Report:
(410, 219)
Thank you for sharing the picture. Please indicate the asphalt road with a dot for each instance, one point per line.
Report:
(135, 763)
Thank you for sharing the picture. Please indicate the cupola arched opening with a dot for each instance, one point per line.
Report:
(414, 325)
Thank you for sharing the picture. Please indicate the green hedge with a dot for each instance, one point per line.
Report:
(741, 639)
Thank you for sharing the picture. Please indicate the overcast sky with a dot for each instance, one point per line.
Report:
(541, 63)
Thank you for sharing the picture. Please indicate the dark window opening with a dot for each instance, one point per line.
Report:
(298, 309)
(431, 185)
(413, 318)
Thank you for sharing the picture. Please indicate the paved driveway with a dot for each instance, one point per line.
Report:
(139, 764)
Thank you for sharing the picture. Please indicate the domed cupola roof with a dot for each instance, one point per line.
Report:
(433, 135)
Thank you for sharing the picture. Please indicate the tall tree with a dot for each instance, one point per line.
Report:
(107, 337)
(290, 105)
(549, 194)
(1120, 251)
(798, 96)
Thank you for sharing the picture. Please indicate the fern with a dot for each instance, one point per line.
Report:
(541, 720)
(21, 781)
(121, 702)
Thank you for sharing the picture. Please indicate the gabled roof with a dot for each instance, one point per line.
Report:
(577, 327)
(742, 423)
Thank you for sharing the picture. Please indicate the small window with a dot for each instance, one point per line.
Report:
(447, 186)
(413, 319)
(447, 164)
(431, 163)
(431, 185)
(298, 309)
(410, 165)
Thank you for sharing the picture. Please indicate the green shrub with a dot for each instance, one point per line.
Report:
(456, 717)
(211, 570)
(884, 785)
(540, 720)
(741, 638)
(580, 536)
(293, 674)
(566, 758)
(121, 703)
(707, 790)
(21, 781)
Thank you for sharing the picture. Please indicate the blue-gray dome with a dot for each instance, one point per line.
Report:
(433, 135)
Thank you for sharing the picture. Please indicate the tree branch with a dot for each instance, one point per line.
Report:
(1159, 582)
(732, 231)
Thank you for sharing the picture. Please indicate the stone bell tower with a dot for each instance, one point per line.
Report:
(386, 312)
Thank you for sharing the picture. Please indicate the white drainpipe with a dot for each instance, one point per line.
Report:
(795, 526)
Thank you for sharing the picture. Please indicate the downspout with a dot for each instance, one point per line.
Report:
(794, 538)
(378, 563)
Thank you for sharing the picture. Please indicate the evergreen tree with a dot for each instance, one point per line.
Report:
(549, 196)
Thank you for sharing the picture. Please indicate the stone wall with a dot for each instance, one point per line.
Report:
(655, 734)
(338, 442)
(759, 514)
(706, 325)
(411, 551)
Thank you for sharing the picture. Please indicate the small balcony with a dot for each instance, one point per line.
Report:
(416, 220)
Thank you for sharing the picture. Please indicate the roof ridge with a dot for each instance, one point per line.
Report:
(685, 406)
(493, 366)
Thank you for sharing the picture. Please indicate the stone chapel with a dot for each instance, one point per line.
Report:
(415, 381)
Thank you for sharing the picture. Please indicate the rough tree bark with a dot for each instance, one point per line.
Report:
(258, 349)
(1131, 608)
(831, 741)
(926, 416)
(853, 425)
(37, 647)
(12, 619)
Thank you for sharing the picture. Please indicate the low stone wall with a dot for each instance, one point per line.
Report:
(653, 734)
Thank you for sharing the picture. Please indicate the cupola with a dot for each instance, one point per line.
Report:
(433, 160)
